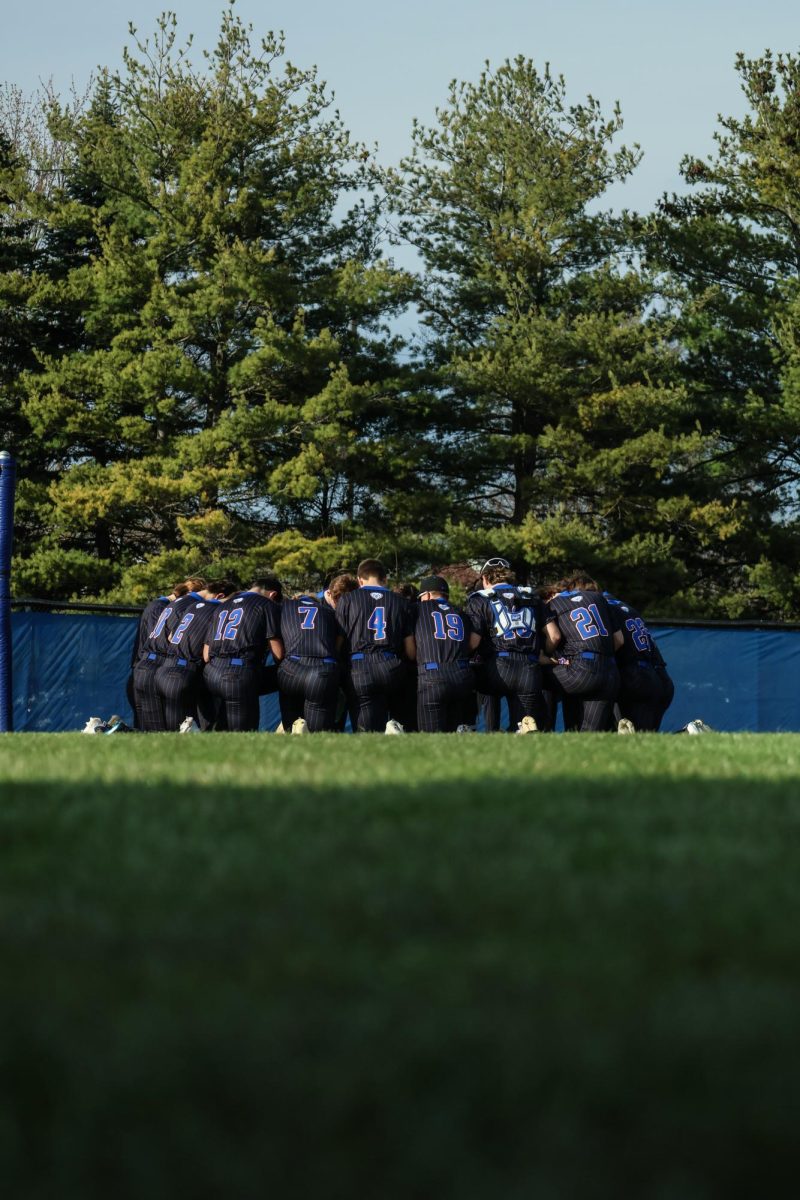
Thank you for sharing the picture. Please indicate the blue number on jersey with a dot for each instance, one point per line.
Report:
(162, 620)
(228, 624)
(588, 622)
(377, 623)
(454, 628)
(639, 634)
(176, 636)
(309, 615)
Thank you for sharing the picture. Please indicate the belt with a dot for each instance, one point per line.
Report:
(592, 654)
(461, 663)
(385, 653)
(312, 658)
(533, 658)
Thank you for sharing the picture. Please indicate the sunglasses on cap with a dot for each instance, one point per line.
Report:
(495, 562)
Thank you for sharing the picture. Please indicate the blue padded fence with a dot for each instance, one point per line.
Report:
(71, 666)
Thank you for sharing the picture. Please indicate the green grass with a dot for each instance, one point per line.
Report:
(243, 966)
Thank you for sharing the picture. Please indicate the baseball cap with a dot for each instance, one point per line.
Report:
(434, 583)
(495, 562)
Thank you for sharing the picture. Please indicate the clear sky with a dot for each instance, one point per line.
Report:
(670, 64)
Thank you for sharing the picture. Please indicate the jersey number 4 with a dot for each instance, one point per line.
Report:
(377, 623)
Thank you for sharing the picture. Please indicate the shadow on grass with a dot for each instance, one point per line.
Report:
(473, 993)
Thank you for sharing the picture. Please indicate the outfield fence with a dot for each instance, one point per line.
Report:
(71, 662)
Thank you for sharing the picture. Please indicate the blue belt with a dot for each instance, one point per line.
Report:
(460, 663)
(182, 662)
(534, 658)
(385, 653)
(151, 657)
(236, 662)
(313, 658)
(592, 654)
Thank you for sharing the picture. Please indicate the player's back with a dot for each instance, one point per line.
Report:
(373, 619)
(585, 621)
(638, 644)
(308, 628)
(243, 626)
(147, 624)
(189, 628)
(168, 620)
(509, 618)
(441, 632)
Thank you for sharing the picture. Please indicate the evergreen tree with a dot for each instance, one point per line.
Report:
(573, 430)
(231, 372)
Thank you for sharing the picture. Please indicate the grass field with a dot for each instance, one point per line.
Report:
(239, 966)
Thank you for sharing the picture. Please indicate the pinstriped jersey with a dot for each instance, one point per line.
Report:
(585, 622)
(169, 618)
(441, 632)
(373, 619)
(308, 628)
(147, 623)
(638, 645)
(243, 627)
(508, 617)
(189, 628)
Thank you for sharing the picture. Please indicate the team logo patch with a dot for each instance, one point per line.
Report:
(444, 607)
(376, 595)
(575, 599)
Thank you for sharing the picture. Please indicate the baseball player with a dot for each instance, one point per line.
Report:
(582, 629)
(147, 621)
(444, 638)
(510, 620)
(179, 677)
(308, 676)
(148, 706)
(246, 628)
(375, 624)
(646, 690)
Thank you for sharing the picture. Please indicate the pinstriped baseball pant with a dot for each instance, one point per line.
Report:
(594, 684)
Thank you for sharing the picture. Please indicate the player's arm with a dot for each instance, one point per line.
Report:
(276, 646)
(475, 640)
(206, 653)
(553, 635)
(410, 647)
(619, 640)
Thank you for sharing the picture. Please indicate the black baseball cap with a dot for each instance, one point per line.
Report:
(495, 562)
(434, 583)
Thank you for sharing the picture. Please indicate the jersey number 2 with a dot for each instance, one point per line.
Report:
(588, 622)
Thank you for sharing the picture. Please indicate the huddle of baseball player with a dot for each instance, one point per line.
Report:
(396, 660)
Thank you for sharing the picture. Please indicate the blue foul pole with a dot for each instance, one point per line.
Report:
(8, 472)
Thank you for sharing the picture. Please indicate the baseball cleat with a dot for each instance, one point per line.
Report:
(95, 725)
(300, 726)
(280, 728)
(698, 726)
(393, 726)
(189, 725)
(626, 726)
(117, 725)
(527, 725)
(465, 728)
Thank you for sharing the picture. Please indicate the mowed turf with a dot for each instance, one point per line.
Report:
(246, 966)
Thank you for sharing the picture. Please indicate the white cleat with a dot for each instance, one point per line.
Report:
(527, 725)
(95, 725)
(626, 726)
(280, 728)
(300, 726)
(189, 725)
(393, 726)
(698, 726)
(465, 729)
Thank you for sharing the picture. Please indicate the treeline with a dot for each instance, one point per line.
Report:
(205, 357)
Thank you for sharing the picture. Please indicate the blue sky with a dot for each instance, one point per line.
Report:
(669, 64)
